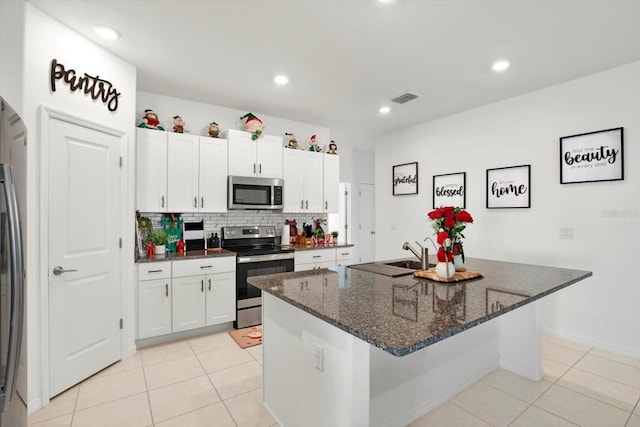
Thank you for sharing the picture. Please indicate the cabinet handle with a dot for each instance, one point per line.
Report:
(317, 256)
(202, 202)
(195, 202)
(345, 253)
(301, 204)
(260, 169)
(166, 289)
(209, 284)
(306, 204)
(201, 285)
(326, 204)
(254, 168)
(162, 198)
(206, 266)
(154, 271)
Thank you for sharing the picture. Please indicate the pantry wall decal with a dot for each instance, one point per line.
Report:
(593, 156)
(405, 179)
(509, 187)
(93, 85)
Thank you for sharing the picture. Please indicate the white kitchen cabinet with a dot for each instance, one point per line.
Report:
(344, 256)
(246, 157)
(314, 259)
(154, 299)
(151, 174)
(303, 177)
(203, 292)
(331, 183)
(212, 177)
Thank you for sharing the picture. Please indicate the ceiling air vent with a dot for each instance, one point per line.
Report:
(405, 97)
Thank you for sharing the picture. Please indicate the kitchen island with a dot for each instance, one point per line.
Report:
(345, 347)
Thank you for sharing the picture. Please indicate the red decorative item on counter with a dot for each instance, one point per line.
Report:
(180, 247)
(150, 248)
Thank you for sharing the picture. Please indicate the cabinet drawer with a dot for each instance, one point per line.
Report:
(193, 267)
(343, 254)
(154, 270)
(315, 256)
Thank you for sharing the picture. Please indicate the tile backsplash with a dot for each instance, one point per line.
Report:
(213, 222)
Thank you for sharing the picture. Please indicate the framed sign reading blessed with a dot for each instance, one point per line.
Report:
(509, 187)
(405, 179)
(593, 156)
(449, 190)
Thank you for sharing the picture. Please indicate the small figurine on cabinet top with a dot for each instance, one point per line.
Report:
(313, 144)
(293, 142)
(333, 147)
(253, 124)
(150, 121)
(214, 130)
(178, 124)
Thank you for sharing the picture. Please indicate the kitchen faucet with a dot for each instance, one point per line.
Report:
(423, 256)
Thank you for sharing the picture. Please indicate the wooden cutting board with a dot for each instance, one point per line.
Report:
(458, 276)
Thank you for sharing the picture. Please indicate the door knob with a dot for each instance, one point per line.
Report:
(59, 270)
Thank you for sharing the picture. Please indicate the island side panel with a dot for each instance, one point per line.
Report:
(294, 390)
(521, 341)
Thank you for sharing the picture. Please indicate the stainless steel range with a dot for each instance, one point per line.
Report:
(258, 254)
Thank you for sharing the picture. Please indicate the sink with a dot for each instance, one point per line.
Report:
(411, 264)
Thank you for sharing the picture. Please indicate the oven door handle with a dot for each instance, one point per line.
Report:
(261, 258)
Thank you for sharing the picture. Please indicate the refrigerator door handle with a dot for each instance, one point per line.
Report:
(17, 286)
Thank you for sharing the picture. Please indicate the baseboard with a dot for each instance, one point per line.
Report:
(592, 342)
(161, 339)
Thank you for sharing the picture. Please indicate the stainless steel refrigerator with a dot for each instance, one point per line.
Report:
(13, 139)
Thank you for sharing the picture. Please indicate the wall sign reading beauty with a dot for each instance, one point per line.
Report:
(509, 187)
(405, 179)
(93, 85)
(593, 156)
(449, 190)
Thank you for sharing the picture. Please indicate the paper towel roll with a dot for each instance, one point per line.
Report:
(286, 236)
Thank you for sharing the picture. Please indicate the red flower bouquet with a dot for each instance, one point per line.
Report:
(453, 221)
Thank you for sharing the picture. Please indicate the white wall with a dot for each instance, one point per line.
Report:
(46, 39)
(12, 52)
(605, 216)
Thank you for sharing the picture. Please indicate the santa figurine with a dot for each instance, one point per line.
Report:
(214, 130)
(150, 121)
(445, 267)
(333, 147)
(313, 144)
(178, 124)
(293, 142)
(253, 125)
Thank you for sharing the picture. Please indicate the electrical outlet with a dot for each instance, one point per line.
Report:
(319, 357)
(566, 233)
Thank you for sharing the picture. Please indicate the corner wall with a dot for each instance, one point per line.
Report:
(46, 39)
(604, 216)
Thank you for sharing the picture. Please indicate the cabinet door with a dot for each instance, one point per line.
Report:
(188, 302)
(154, 307)
(292, 167)
(213, 175)
(312, 179)
(242, 153)
(221, 298)
(331, 185)
(182, 172)
(151, 174)
(269, 156)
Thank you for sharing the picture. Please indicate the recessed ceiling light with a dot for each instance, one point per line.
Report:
(500, 65)
(385, 109)
(281, 79)
(106, 32)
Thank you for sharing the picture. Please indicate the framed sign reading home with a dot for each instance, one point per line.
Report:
(449, 190)
(405, 179)
(593, 156)
(509, 187)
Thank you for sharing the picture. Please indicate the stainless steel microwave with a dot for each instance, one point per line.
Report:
(246, 192)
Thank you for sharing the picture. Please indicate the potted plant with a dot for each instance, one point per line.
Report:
(159, 240)
(334, 237)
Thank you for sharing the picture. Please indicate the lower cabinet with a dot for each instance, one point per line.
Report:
(313, 259)
(196, 293)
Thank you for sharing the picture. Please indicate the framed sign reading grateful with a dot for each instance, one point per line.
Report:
(449, 190)
(509, 187)
(405, 179)
(593, 156)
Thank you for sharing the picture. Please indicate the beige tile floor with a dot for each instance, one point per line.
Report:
(209, 381)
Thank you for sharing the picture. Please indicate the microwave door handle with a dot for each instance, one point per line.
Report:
(17, 287)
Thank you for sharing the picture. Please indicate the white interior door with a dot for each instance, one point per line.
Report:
(84, 271)
(366, 226)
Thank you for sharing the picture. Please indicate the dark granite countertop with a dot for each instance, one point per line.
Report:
(172, 256)
(298, 247)
(404, 314)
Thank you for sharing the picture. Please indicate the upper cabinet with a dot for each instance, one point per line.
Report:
(180, 172)
(262, 157)
(331, 176)
(303, 181)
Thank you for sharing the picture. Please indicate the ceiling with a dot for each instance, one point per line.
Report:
(347, 58)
